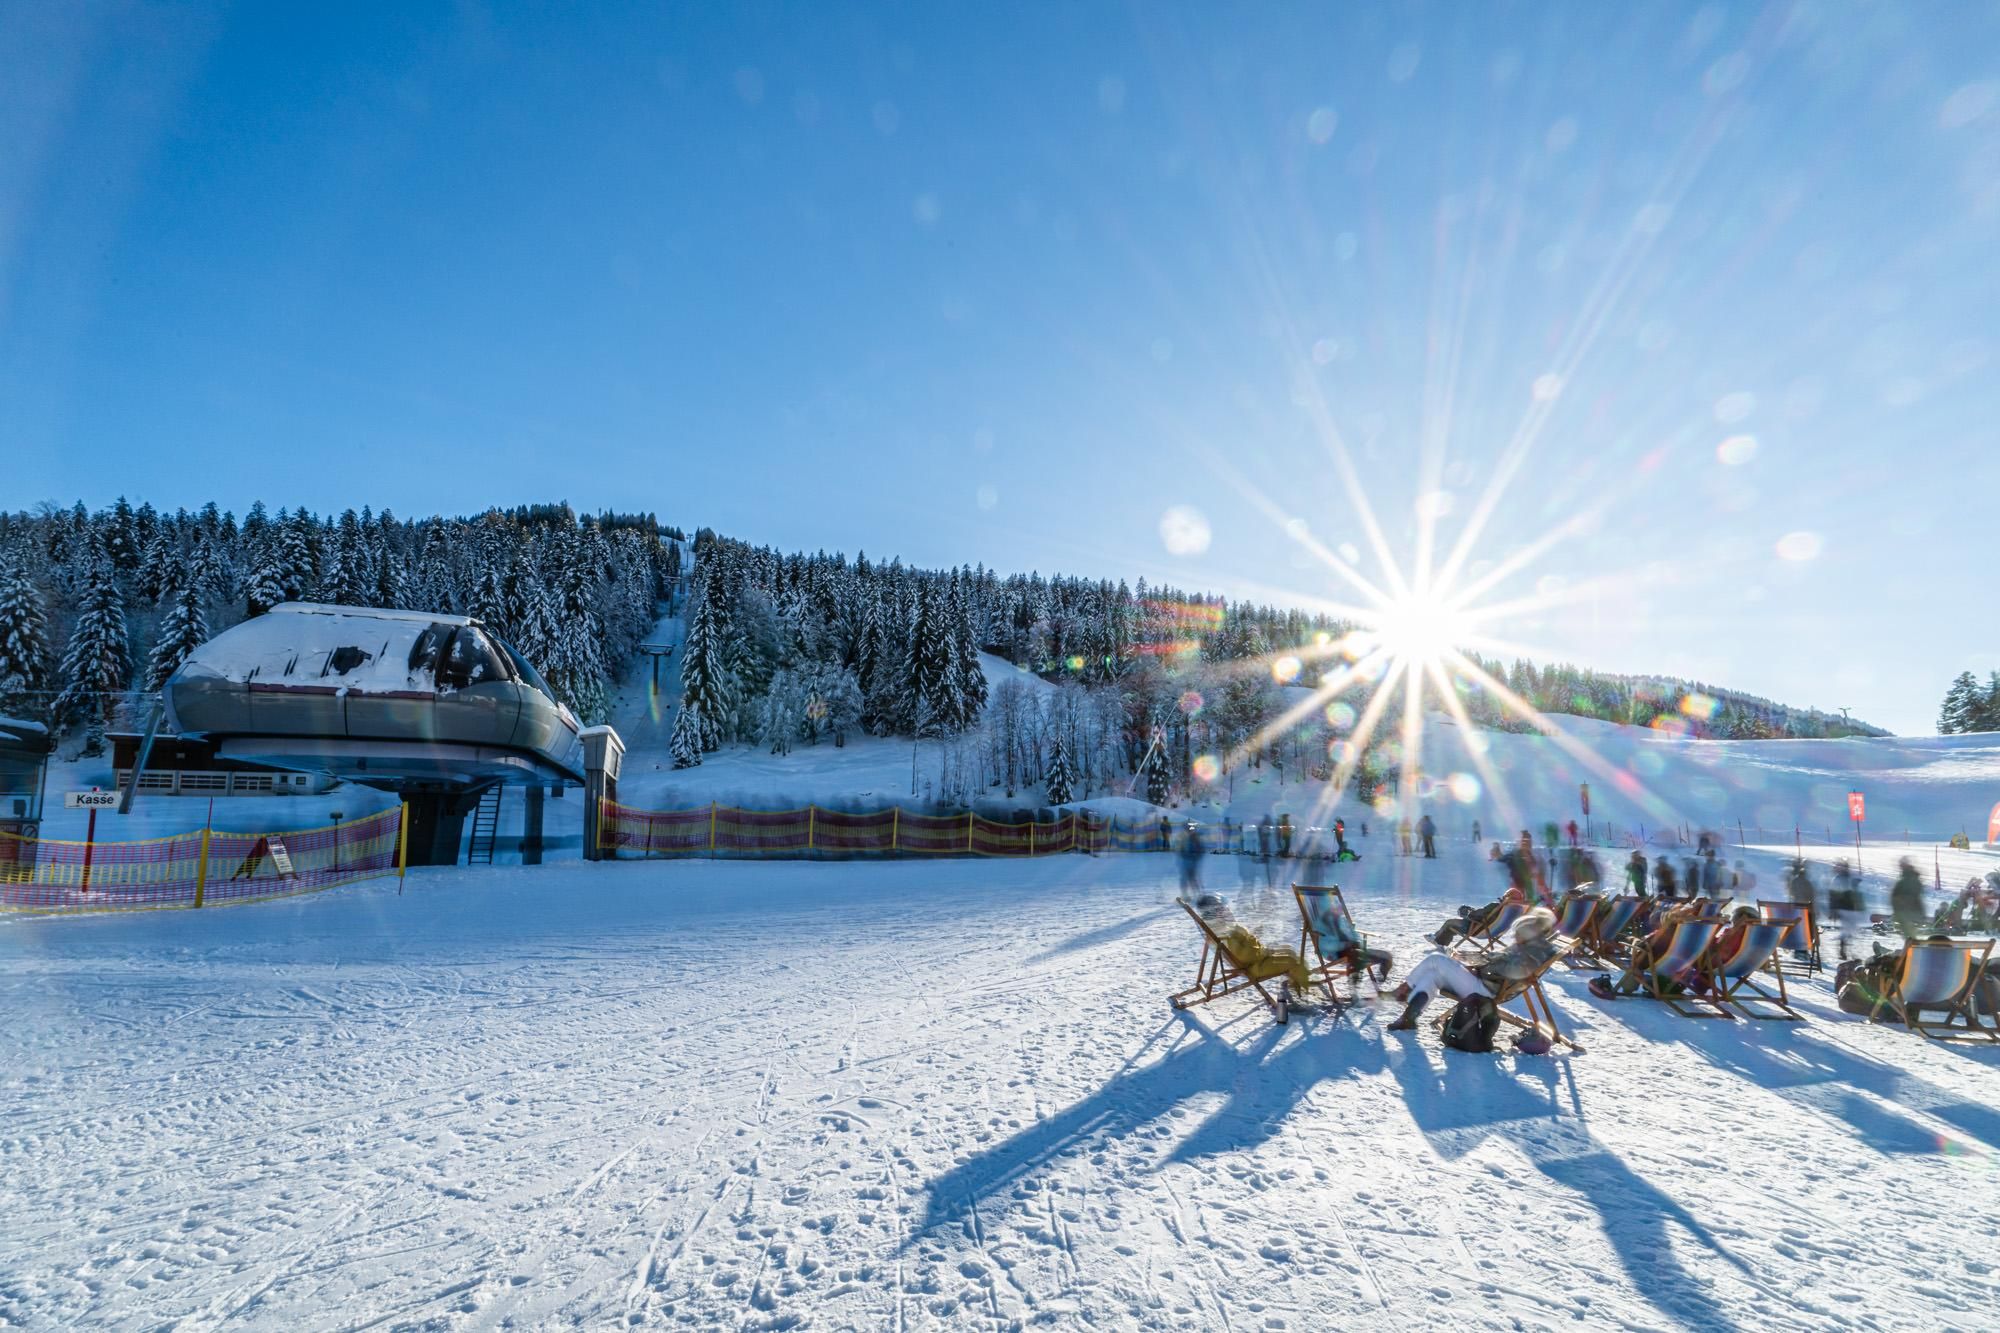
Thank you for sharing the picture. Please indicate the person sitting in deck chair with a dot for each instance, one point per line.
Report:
(1645, 953)
(1532, 944)
(1471, 919)
(1250, 953)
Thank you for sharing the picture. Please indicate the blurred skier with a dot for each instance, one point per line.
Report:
(1476, 838)
(1191, 852)
(1906, 898)
(1427, 829)
(1846, 901)
(1635, 873)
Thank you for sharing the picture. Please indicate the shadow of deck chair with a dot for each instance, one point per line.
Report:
(1332, 945)
(1802, 938)
(1528, 990)
(1678, 966)
(1602, 944)
(1731, 985)
(1939, 976)
(1220, 973)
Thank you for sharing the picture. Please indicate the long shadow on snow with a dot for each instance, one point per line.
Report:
(1823, 1075)
(1457, 1107)
(1263, 1078)
(1090, 939)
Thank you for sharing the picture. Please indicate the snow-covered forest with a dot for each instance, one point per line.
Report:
(780, 650)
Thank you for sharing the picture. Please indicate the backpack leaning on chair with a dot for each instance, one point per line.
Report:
(1472, 1024)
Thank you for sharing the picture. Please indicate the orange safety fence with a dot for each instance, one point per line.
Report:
(721, 830)
(203, 868)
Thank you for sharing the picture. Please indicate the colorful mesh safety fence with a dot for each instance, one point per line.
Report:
(201, 869)
(722, 830)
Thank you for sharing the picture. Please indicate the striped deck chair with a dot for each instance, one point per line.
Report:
(1602, 942)
(1939, 976)
(1731, 989)
(1579, 909)
(1329, 941)
(1528, 990)
(1802, 938)
(1484, 939)
(1220, 973)
(1691, 940)
(1711, 909)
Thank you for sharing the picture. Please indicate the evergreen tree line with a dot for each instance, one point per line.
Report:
(94, 606)
(1970, 706)
(782, 649)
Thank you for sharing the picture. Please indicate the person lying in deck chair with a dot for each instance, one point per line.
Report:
(1471, 921)
(1644, 954)
(1258, 960)
(1531, 945)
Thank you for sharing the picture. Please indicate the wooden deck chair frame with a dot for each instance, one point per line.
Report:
(1801, 912)
(1353, 964)
(1595, 949)
(1528, 990)
(1959, 1022)
(1218, 974)
(1729, 996)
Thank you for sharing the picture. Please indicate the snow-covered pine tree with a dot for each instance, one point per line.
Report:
(1961, 706)
(182, 630)
(1061, 778)
(704, 677)
(1159, 777)
(24, 643)
(97, 662)
(685, 742)
(971, 675)
(930, 669)
(267, 584)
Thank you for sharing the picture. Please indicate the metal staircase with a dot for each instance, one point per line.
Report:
(485, 828)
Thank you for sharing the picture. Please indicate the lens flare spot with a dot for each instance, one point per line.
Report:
(1464, 788)
(1321, 124)
(1737, 450)
(1076, 662)
(1207, 768)
(1548, 388)
(1669, 725)
(1799, 547)
(1285, 670)
(1184, 531)
(1322, 639)
(1191, 702)
(1340, 715)
(1701, 707)
(1733, 407)
(1341, 752)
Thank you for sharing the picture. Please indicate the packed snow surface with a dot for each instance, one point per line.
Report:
(928, 1094)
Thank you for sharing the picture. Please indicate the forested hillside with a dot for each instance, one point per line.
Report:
(98, 608)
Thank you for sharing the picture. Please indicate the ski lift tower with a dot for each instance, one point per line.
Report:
(658, 652)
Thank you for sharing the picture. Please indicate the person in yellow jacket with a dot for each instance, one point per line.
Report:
(1260, 961)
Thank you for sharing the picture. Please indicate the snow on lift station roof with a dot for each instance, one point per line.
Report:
(293, 640)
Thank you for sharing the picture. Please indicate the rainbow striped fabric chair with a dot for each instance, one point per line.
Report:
(1801, 939)
(1485, 938)
(1601, 942)
(1940, 976)
(1732, 988)
(1678, 966)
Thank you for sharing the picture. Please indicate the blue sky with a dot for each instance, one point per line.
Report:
(1714, 290)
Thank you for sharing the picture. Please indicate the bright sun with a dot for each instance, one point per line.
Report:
(1419, 628)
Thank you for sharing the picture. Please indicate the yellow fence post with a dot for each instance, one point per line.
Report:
(201, 870)
(968, 830)
(812, 814)
(1031, 837)
(711, 826)
(403, 841)
(895, 827)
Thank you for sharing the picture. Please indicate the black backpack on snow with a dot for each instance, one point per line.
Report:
(1472, 1024)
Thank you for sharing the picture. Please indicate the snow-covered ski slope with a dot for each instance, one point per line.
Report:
(921, 1095)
